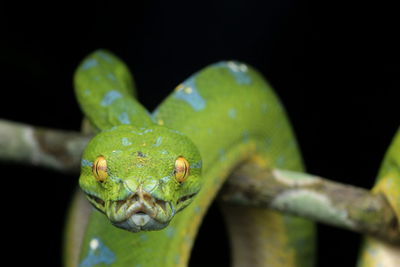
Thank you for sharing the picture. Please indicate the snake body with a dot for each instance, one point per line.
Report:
(217, 118)
(155, 174)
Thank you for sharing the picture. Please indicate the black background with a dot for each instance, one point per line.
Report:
(334, 65)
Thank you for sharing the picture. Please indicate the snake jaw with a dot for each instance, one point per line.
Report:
(139, 211)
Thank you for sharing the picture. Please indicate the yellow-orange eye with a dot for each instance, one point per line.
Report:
(181, 169)
(99, 169)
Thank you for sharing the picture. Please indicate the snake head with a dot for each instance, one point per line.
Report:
(140, 178)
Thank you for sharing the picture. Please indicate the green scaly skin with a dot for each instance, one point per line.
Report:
(219, 117)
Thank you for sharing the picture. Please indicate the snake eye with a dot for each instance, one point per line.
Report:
(181, 170)
(99, 169)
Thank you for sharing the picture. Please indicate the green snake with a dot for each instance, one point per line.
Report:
(152, 176)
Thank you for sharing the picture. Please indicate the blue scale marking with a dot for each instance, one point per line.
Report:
(138, 133)
(232, 113)
(222, 156)
(246, 136)
(110, 97)
(86, 163)
(111, 129)
(158, 141)
(280, 161)
(177, 259)
(116, 179)
(170, 231)
(124, 118)
(196, 165)
(197, 209)
(125, 141)
(90, 63)
(165, 179)
(147, 131)
(193, 98)
(111, 76)
(105, 57)
(241, 77)
(101, 254)
(176, 131)
(153, 115)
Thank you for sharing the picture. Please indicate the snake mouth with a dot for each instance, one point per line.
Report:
(97, 202)
(134, 206)
(139, 211)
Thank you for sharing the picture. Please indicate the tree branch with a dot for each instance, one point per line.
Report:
(300, 194)
(54, 149)
(313, 198)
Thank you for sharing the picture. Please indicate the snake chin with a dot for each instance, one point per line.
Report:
(140, 222)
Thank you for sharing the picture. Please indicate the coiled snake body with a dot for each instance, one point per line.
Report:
(155, 174)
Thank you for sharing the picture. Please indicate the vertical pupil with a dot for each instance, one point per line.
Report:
(100, 169)
(181, 169)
